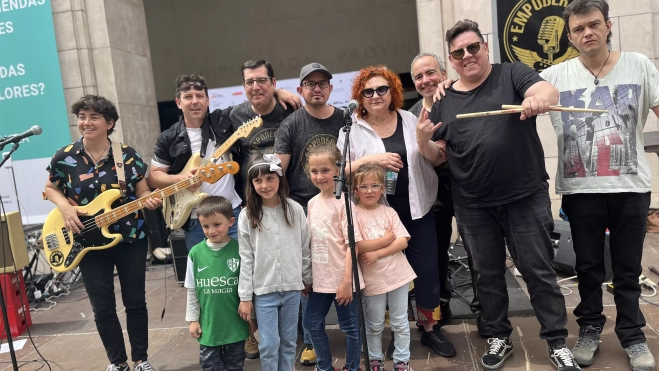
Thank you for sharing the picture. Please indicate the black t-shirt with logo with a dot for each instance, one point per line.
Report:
(297, 135)
(494, 160)
(261, 139)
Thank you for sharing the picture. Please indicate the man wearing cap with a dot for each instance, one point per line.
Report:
(315, 124)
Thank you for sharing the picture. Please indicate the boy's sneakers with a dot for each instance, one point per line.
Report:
(401, 366)
(498, 349)
(437, 342)
(118, 368)
(562, 358)
(252, 348)
(640, 357)
(308, 355)
(376, 365)
(587, 345)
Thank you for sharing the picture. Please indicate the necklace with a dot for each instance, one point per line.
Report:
(596, 81)
(100, 157)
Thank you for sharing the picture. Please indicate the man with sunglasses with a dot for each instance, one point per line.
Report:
(603, 175)
(317, 123)
(499, 187)
(260, 84)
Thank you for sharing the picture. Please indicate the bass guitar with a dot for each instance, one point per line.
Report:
(65, 249)
(177, 208)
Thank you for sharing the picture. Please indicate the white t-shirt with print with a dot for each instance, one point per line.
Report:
(604, 153)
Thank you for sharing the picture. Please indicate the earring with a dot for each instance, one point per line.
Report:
(364, 112)
(391, 107)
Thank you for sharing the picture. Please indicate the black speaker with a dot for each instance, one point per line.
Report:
(564, 257)
(179, 256)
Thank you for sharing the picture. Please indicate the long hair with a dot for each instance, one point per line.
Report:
(395, 87)
(253, 200)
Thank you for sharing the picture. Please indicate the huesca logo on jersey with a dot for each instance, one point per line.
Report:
(535, 33)
(233, 264)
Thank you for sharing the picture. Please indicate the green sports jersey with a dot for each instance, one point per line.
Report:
(214, 275)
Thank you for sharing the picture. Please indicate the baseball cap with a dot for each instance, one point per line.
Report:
(313, 67)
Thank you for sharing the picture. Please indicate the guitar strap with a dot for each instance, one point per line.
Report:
(118, 156)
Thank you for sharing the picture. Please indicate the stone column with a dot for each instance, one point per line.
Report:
(103, 49)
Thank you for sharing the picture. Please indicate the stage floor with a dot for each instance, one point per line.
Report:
(66, 333)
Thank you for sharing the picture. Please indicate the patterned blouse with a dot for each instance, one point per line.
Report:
(73, 171)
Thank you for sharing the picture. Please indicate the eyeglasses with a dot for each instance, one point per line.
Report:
(191, 84)
(261, 81)
(372, 187)
(381, 90)
(472, 48)
(311, 85)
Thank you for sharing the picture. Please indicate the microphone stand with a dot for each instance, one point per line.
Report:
(340, 182)
(3, 305)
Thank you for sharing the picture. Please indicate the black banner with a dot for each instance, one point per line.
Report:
(533, 32)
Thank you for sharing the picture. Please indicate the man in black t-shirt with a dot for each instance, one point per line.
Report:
(315, 124)
(260, 84)
(499, 187)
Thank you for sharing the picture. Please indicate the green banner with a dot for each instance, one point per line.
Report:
(31, 91)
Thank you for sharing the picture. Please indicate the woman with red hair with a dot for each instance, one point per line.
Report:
(386, 135)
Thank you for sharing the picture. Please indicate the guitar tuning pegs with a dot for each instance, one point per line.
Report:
(212, 170)
(229, 166)
(220, 168)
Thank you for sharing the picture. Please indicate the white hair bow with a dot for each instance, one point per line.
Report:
(273, 161)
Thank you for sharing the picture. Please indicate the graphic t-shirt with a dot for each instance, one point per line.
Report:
(329, 243)
(262, 139)
(494, 160)
(390, 272)
(604, 153)
(298, 134)
(214, 275)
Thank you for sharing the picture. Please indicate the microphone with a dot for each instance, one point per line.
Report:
(352, 106)
(35, 130)
(654, 270)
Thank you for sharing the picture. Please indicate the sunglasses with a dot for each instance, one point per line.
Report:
(381, 90)
(472, 48)
(189, 85)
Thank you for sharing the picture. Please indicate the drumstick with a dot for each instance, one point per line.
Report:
(561, 108)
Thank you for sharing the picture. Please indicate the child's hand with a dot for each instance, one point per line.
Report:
(370, 257)
(245, 310)
(390, 237)
(307, 290)
(195, 329)
(344, 294)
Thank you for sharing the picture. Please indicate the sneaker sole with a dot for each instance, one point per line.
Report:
(498, 365)
(308, 363)
(445, 355)
(589, 361)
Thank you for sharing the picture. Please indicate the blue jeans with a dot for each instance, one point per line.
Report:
(195, 234)
(525, 226)
(314, 322)
(277, 315)
(229, 357)
(303, 304)
(374, 308)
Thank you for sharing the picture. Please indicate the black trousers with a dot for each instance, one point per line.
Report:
(97, 269)
(444, 213)
(625, 215)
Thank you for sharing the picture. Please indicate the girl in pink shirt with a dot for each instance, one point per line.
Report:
(387, 273)
(331, 264)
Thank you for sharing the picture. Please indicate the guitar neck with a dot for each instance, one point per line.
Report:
(113, 215)
(225, 146)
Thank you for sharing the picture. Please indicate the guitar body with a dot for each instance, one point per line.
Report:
(64, 250)
(177, 208)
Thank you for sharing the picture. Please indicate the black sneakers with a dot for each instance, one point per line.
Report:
(498, 349)
(437, 342)
(562, 358)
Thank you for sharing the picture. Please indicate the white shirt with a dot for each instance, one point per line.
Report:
(604, 153)
(423, 182)
(224, 187)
